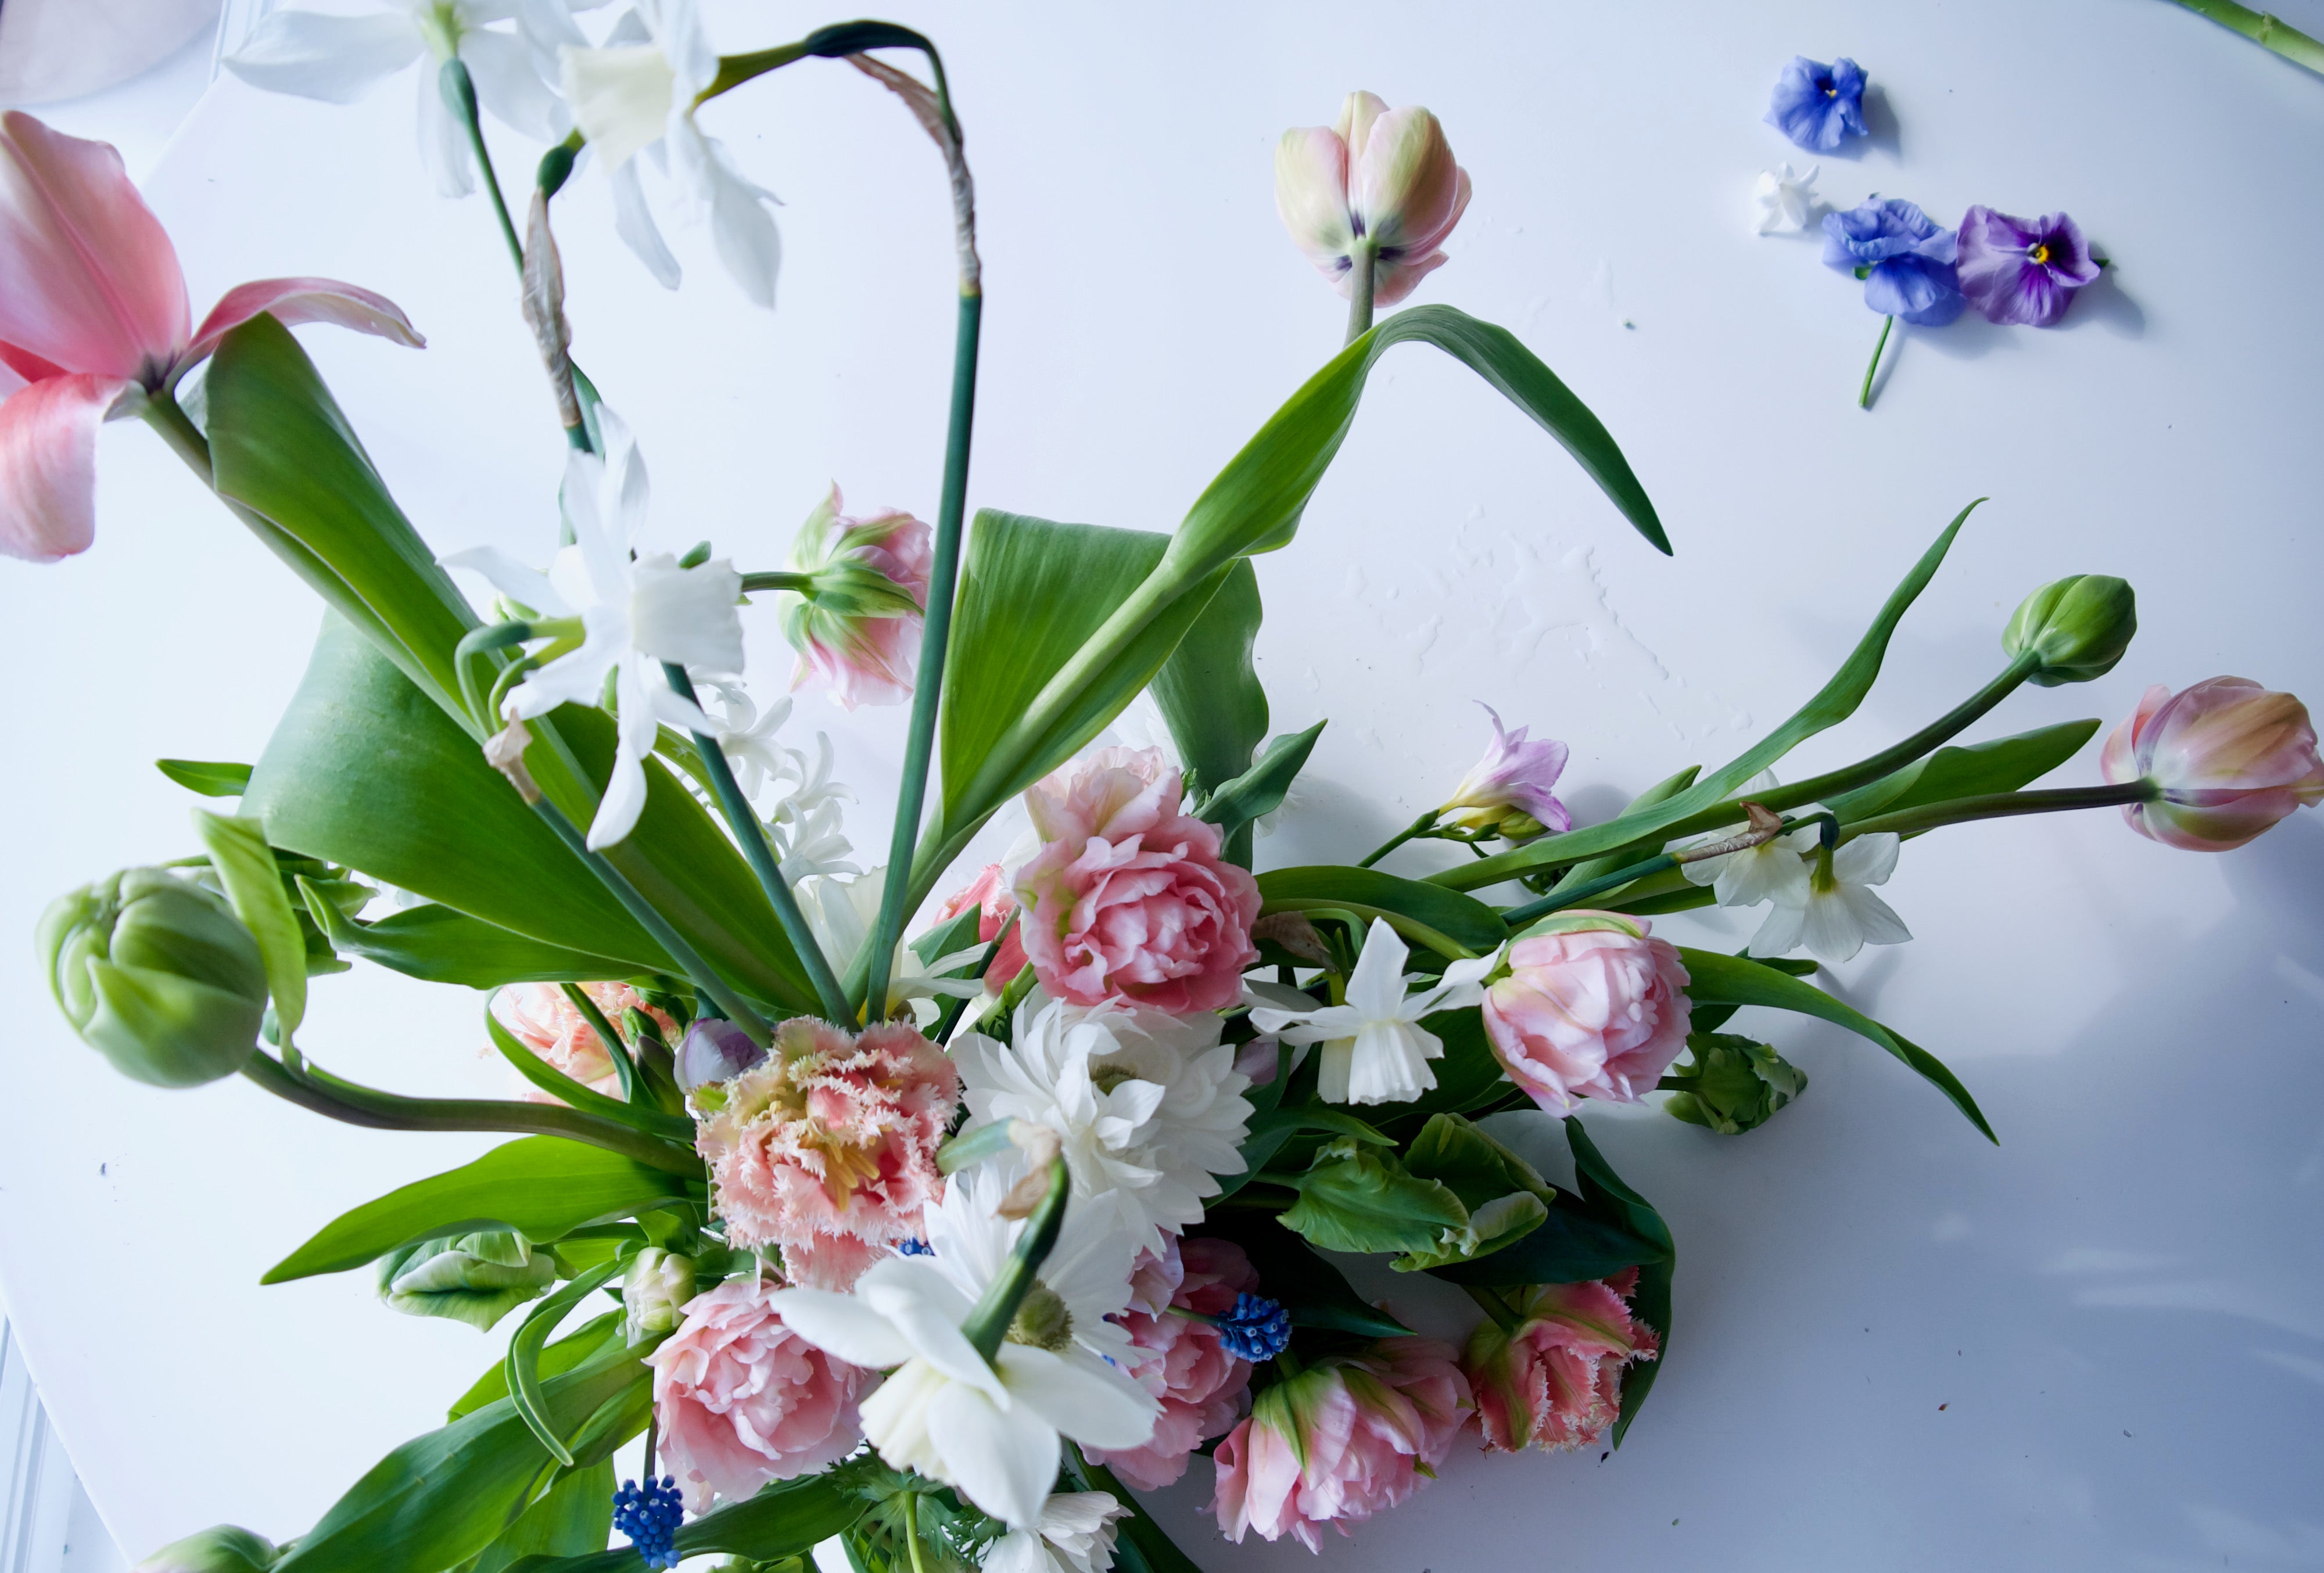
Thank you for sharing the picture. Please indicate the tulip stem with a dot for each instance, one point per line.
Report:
(1417, 827)
(1359, 289)
(459, 91)
(1517, 916)
(1929, 817)
(1495, 1306)
(1864, 394)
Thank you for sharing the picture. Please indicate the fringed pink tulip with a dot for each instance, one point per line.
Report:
(743, 1400)
(1179, 1361)
(988, 893)
(539, 1017)
(1347, 1438)
(1509, 790)
(1555, 1380)
(857, 627)
(2228, 757)
(1594, 1008)
(1382, 180)
(831, 1135)
(1128, 898)
(94, 317)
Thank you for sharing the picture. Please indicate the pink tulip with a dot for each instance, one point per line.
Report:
(1594, 1008)
(1508, 790)
(94, 318)
(1383, 177)
(2229, 757)
(540, 1017)
(1179, 1361)
(857, 629)
(1555, 1380)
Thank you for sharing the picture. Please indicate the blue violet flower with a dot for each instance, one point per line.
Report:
(1258, 1329)
(1904, 258)
(2021, 273)
(650, 1518)
(1819, 107)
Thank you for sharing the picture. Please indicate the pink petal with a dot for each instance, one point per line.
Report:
(47, 464)
(296, 300)
(93, 284)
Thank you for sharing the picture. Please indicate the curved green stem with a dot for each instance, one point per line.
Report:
(625, 1070)
(2001, 805)
(1557, 901)
(753, 583)
(459, 91)
(1360, 261)
(1398, 840)
(988, 1325)
(1864, 394)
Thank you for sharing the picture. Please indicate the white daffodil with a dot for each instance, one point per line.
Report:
(639, 93)
(1375, 1050)
(990, 1429)
(1785, 199)
(1084, 1281)
(337, 57)
(634, 613)
(840, 914)
(1770, 871)
(1147, 1104)
(1076, 1535)
(1839, 915)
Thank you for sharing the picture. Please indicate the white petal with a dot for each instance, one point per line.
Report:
(1876, 919)
(1019, 1551)
(1829, 929)
(634, 222)
(1003, 1459)
(692, 616)
(335, 59)
(624, 800)
(842, 1325)
(927, 1308)
(1780, 935)
(1376, 987)
(528, 586)
(621, 97)
(1868, 859)
(1105, 1411)
(1273, 996)
(443, 140)
(1335, 1062)
(1390, 1062)
(743, 230)
(509, 85)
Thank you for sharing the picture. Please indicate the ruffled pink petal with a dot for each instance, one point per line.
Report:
(296, 300)
(48, 463)
(92, 283)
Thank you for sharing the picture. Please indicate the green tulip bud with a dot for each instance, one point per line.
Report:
(658, 1284)
(157, 975)
(477, 1278)
(223, 1550)
(2077, 627)
(1731, 1084)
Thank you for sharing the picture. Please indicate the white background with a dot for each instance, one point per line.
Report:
(2098, 1347)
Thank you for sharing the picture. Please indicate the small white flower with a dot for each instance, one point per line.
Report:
(638, 94)
(1076, 1535)
(747, 738)
(1838, 916)
(1087, 1271)
(1147, 1104)
(1785, 199)
(1375, 1050)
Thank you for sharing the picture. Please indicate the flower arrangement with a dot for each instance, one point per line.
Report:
(937, 1207)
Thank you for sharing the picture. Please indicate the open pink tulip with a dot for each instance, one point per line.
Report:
(1382, 180)
(2229, 757)
(1594, 1006)
(94, 317)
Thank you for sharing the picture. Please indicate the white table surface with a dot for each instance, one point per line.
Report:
(2098, 1347)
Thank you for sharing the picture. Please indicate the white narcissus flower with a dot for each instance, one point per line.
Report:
(1375, 1050)
(337, 57)
(1785, 199)
(639, 94)
(1770, 871)
(636, 612)
(1076, 1535)
(1839, 915)
(1147, 1105)
(1083, 1281)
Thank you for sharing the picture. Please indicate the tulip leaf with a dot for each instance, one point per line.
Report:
(1420, 911)
(1598, 868)
(1568, 1247)
(1472, 1166)
(539, 1186)
(1712, 1018)
(573, 1517)
(1212, 697)
(1604, 1192)
(576, 1348)
(2003, 765)
(440, 944)
(1315, 1291)
(477, 1278)
(522, 1366)
(1354, 1198)
(1717, 979)
(211, 779)
(1261, 789)
(245, 866)
(644, 1117)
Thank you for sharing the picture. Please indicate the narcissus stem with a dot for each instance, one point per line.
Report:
(1398, 840)
(1864, 394)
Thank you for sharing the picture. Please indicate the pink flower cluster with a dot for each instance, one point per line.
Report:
(1596, 1008)
(539, 1017)
(1200, 1385)
(832, 1138)
(1128, 898)
(1556, 1380)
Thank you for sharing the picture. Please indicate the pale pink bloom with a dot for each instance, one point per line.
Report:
(831, 1135)
(1595, 1008)
(1381, 175)
(1128, 898)
(1179, 1361)
(988, 893)
(834, 1262)
(858, 631)
(539, 1017)
(93, 317)
(1556, 1381)
(1510, 785)
(1343, 1439)
(2231, 760)
(743, 1400)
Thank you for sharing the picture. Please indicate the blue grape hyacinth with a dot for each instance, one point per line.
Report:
(1258, 1329)
(650, 1517)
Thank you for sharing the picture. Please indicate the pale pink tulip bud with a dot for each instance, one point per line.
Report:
(1555, 1379)
(1383, 179)
(857, 626)
(2228, 757)
(1593, 1007)
(1508, 790)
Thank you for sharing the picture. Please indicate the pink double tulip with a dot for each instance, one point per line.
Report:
(1554, 1380)
(2228, 757)
(1594, 1008)
(1382, 182)
(94, 318)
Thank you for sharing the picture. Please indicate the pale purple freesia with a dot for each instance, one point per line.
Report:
(2020, 272)
(1905, 257)
(1513, 779)
(1819, 107)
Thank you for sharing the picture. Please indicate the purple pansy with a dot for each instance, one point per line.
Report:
(1819, 107)
(1904, 258)
(2023, 272)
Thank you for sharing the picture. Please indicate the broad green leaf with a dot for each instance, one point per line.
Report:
(674, 1127)
(245, 866)
(476, 1278)
(1261, 789)
(1833, 703)
(1212, 697)
(1717, 979)
(1354, 1198)
(211, 779)
(1471, 1164)
(1417, 910)
(1568, 1247)
(539, 1186)
(1492, 1227)
(956, 933)
(1271, 1127)
(573, 1517)
(575, 1349)
(1712, 1018)
(440, 944)
(1603, 1191)
(2003, 765)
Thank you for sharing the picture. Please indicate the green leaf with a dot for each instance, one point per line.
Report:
(1717, 979)
(476, 1278)
(522, 1366)
(1269, 1128)
(539, 1186)
(575, 1349)
(1354, 1198)
(1472, 1166)
(441, 945)
(788, 1519)
(1603, 1191)
(1422, 912)
(674, 1127)
(1261, 789)
(1834, 702)
(204, 777)
(1568, 1247)
(253, 885)
(574, 1516)
(956, 933)
(1661, 792)
(1708, 1018)
(2003, 765)
(1210, 695)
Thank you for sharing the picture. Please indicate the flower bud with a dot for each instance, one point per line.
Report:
(476, 1279)
(857, 626)
(659, 1285)
(223, 1550)
(1733, 1084)
(157, 975)
(2226, 758)
(1382, 182)
(2077, 627)
(1508, 791)
(713, 1051)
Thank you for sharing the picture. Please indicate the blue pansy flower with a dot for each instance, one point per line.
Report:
(1904, 258)
(1819, 107)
